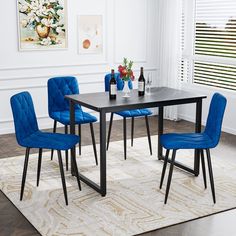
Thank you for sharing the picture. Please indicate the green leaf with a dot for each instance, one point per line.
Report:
(125, 61)
(58, 8)
(28, 1)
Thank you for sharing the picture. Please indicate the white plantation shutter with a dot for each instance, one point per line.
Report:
(184, 73)
(215, 74)
(184, 62)
(181, 67)
(215, 43)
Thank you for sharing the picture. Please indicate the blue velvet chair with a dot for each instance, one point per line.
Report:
(127, 114)
(198, 141)
(29, 136)
(59, 110)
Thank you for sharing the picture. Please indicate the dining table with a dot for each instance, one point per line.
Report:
(159, 98)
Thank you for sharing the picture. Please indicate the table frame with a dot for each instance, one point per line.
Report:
(102, 189)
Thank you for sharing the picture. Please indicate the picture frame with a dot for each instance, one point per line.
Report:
(42, 25)
(90, 34)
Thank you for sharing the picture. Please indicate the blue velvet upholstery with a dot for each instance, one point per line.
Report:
(134, 113)
(80, 117)
(27, 131)
(206, 140)
(58, 106)
(120, 85)
(119, 82)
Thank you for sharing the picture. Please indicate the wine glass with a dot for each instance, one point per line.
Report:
(149, 83)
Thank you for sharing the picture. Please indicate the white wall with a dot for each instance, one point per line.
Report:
(187, 112)
(130, 30)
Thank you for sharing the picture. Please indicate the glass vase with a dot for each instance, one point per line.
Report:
(126, 89)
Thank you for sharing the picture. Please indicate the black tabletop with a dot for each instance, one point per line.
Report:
(161, 96)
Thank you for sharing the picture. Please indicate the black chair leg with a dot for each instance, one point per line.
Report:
(24, 172)
(164, 167)
(170, 175)
(132, 131)
(54, 131)
(80, 133)
(39, 165)
(109, 131)
(62, 176)
(211, 175)
(125, 138)
(203, 168)
(67, 154)
(148, 134)
(76, 172)
(94, 143)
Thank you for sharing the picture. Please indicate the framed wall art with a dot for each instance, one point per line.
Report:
(42, 24)
(90, 34)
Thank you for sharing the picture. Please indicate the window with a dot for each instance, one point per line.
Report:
(213, 59)
(214, 74)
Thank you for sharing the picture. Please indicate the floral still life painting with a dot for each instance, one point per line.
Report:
(42, 24)
(90, 34)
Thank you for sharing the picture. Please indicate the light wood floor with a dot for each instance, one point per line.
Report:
(12, 222)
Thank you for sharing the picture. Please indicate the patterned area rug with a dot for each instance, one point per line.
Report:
(133, 204)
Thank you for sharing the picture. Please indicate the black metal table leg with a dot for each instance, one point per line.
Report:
(132, 131)
(102, 188)
(160, 132)
(80, 135)
(103, 182)
(72, 131)
(94, 143)
(67, 153)
(198, 126)
(125, 138)
(109, 131)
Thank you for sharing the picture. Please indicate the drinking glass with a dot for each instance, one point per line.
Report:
(149, 83)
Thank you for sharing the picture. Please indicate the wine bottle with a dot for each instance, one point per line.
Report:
(141, 83)
(113, 86)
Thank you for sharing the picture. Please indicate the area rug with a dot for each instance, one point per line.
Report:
(133, 204)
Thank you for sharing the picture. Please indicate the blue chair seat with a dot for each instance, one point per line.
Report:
(50, 141)
(197, 141)
(81, 117)
(134, 113)
(127, 113)
(28, 135)
(187, 141)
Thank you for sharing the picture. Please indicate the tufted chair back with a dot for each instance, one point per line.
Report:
(215, 117)
(24, 116)
(119, 82)
(58, 87)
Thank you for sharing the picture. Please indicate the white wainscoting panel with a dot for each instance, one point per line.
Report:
(131, 30)
(30, 71)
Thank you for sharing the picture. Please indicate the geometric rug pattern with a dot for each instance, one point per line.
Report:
(133, 204)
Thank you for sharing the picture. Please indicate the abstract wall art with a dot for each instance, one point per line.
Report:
(90, 34)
